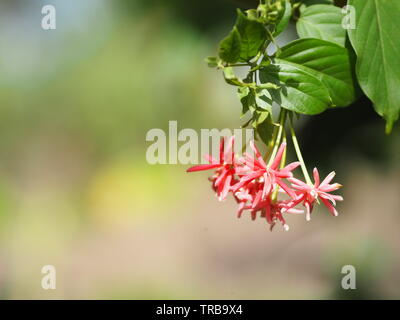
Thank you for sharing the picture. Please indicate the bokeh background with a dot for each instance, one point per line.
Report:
(76, 191)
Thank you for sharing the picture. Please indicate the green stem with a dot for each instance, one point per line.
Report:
(283, 162)
(239, 65)
(271, 143)
(282, 119)
(282, 165)
(278, 49)
(299, 156)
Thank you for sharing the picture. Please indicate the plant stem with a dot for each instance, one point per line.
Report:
(271, 143)
(282, 119)
(239, 65)
(282, 165)
(278, 49)
(283, 162)
(299, 156)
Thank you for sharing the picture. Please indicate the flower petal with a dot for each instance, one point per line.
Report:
(221, 150)
(240, 209)
(291, 166)
(229, 153)
(246, 179)
(268, 213)
(211, 159)
(267, 186)
(226, 188)
(328, 179)
(257, 199)
(299, 183)
(278, 156)
(316, 177)
(330, 207)
(285, 187)
(330, 187)
(202, 167)
(258, 154)
(308, 212)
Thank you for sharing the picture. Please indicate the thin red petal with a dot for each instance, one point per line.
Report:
(221, 150)
(285, 187)
(227, 185)
(316, 177)
(278, 156)
(328, 179)
(258, 154)
(210, 159)
(291, 166)
(330, 207)
(202, 167)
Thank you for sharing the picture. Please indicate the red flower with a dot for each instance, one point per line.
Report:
(244, 196)
(255, 185)
(223, 178)
(256, 168)
(272, 211)
(308, 194)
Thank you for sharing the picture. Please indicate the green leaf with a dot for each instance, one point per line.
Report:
(328, 62)
(322, 22)
(231, 78)
(263, 98)
(247, 98)
(268, 85)
(284, 19)
(306, 3)
(230, 47)
(264, 126)
(212, 62)
(252, 14)
(376, 43)
(251, 99)
(300, 91)
(253, 35)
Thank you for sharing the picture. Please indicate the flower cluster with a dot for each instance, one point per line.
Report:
(256, 184)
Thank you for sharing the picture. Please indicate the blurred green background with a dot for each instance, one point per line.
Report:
(76, 191)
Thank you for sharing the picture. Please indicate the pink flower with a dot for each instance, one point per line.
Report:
(308, 194)
(256, 185)
(246, 195)
(256, 168)
(223, 178)
(272, 211)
